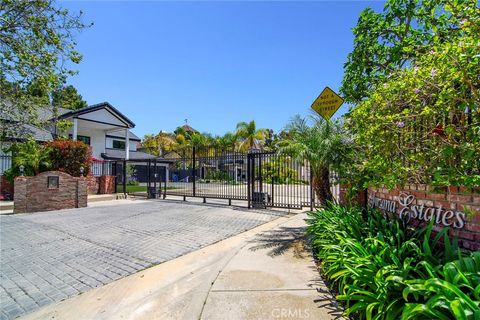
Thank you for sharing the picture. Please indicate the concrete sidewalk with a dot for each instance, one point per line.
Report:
(264, 273)
(272, 277)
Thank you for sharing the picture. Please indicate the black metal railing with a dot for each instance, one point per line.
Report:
(101, 168)
(263, 179)
(5, 163)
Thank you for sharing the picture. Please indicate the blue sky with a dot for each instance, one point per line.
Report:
(213, 63)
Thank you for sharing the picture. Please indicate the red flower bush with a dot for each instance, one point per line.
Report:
(69, 156)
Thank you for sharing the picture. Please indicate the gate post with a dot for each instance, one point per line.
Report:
(193, 169)
(312, 200)
(155, 175)
(125, 178)
(114, 172)
(249, 177)
(165, 184)
(148, 174)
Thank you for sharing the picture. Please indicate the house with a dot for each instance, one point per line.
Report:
(102, 126)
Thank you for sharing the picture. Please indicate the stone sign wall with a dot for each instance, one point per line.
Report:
(457, 208)
(50, 190)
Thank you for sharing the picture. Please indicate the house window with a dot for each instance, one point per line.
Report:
(84, 139)
(117, 144)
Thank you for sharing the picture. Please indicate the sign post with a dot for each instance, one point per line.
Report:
(327, 103)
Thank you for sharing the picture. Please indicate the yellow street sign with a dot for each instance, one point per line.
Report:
(327, 103)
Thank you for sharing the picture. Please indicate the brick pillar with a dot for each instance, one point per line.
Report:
(82, 195)
(20, 203)
(106, 184)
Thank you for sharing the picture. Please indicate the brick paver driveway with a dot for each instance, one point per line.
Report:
(50, 256)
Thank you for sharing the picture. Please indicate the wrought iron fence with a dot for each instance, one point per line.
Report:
(5, 163)
(208, 172)
(264, 179)
(101, 167)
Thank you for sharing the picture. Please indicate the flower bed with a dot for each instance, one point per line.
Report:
(384, 270)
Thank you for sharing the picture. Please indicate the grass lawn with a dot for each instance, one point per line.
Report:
(131, 189)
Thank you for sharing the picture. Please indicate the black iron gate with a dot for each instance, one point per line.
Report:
(261, 179)
(277, 180)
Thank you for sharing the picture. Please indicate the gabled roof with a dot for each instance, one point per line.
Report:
(103, 105)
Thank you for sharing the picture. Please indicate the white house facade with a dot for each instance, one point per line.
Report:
(101, 126)
(106, 130)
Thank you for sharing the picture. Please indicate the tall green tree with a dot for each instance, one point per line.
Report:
(160, 144)
(420, 123)
(392, 39)
(36, 43)
(68, 97)
(62, 96)
(249, 136)
(227, 141)
(322, 143)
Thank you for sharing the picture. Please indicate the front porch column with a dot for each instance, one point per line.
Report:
(75, 129)
(127, 144)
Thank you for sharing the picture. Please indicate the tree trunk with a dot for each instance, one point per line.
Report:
(321, 186)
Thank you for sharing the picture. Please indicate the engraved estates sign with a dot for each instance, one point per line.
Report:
(407, 210)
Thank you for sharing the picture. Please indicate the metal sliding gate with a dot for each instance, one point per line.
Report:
(261, 179)
(277, 180)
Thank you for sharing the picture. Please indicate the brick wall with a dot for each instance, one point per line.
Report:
(32, 194)
(448, 206)
(6, 188)
(106, 184)
(358, 199)
(92, 184)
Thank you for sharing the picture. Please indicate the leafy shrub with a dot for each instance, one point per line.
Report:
(454, 293)
(217, 175)
(279, 172)
(33, 156)
(420, 123)
(376, 263)
(69, 156)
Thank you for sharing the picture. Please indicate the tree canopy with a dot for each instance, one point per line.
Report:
(393, 39)
(36, 45)
(419, 121)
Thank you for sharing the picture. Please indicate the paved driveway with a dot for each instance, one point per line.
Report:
(48, 257)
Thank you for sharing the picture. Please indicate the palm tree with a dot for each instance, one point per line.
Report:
(227, 141)
(250, 136)
(322, 144)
